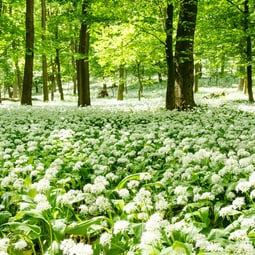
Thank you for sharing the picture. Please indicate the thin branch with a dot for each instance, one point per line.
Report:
(235, 6)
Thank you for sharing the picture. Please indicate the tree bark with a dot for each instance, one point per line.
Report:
(26, 98)
(58, 75)
(83, 61)
(184, 76)
(248, 51)
(121, 86)
(44, 58)
(170, 94)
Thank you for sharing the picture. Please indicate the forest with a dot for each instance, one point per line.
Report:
(48, 44)
(127, 127)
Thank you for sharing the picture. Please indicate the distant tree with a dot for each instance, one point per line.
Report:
(44, 57)
(26, 98)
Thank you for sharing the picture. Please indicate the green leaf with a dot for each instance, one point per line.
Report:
(4, 217)
(181, 248)
(84, 227)
(128, 178)
(32, 231)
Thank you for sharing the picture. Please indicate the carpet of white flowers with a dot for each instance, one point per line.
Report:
(126, 181)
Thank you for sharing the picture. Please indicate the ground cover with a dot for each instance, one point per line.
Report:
(128, 178)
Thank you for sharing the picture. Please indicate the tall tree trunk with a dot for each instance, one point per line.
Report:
(121, 86)
(198, 75)
(139, 75)
(248, 50)
(18, 78)
(74, 76)
(26, 98)
(44, 58)
(83, 61)
(58, 75)
(170, 96)
(52, 79)
(184, 78)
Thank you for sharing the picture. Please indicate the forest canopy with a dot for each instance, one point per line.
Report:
(122, 43)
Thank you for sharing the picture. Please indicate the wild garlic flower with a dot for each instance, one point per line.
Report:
(103, 204)
(124, 193)
(41, 186)
(20, 244)
(120, 226)
(105, 239)
(150, 238)
(4, 244)
(81, 249)
(243, 186)
(238, 203)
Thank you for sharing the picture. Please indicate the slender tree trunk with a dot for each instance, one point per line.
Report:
(18, 78)
(74, 76)
(58, 75)
(44, 58)
(83, 61)
(26, 98)
(248, 50)
(184, 79)
(198, 75)
(140, 89)
(121, 86)
(170, 96)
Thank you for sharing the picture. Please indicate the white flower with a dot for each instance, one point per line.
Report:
(81, 249)
(20, 245)
(133, 184)
(43, 206)
(180, 190)
(252, 179)
(41, 186)
(103, 203)
(154, 222)
(145, 176)
(124, 193)
(4, 244)
(130, 207)
(238, 203)
(120, 227)
(243, 186)
(66, 245)
(238, 235)
(182, 200)
(105, 239)
(214, 247)
(150, 238)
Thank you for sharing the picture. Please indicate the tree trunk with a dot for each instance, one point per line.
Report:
(44, 58)
(198, 75)
(26, 98)
(241, 84)
(170, 94)
(120, 93)
(140, 89)
(83, 61)
(184, 76)
(58, 75)
(248, 51)
(74, 76)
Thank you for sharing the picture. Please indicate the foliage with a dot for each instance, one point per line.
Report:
(127, 181)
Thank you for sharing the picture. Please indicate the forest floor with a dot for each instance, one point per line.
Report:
(128, 178)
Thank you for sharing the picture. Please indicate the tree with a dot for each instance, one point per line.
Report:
(26, 98)
(184, 76)
(248, 50)
(44, 58)
(170, 90)
(83, 60)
